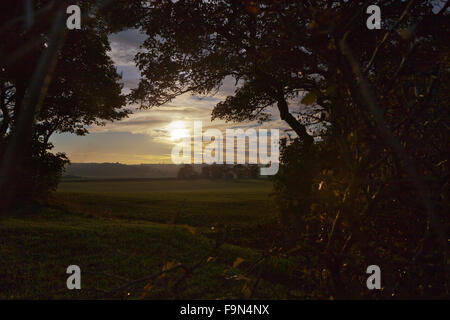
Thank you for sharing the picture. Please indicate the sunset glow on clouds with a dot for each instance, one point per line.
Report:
(146, 136)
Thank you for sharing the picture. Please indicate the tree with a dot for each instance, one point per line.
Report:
(187, 172)
(206, 172)
(380, 91)
(85, 89)
(184, 55)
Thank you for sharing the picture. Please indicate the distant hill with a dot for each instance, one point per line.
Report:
(119, 170)
(76, 171)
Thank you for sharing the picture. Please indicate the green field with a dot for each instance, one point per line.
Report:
(118, 231)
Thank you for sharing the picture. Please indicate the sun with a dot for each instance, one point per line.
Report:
(178, 130)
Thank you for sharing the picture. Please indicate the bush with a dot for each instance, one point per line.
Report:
(41, 173)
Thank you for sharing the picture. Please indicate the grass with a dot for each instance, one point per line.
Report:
(200, 203)
(165, 185)
(120, 230)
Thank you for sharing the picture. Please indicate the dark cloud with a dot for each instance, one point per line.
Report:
(143, 121)
(110, 142)
(131, 38)
(201, 98)
(124, 46)
(187, 110)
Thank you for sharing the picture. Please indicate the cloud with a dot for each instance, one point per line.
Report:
(125, 45)
(143, 137)
(125, 145)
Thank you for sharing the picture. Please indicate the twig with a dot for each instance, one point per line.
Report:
(400, 67)
(188, 271)
(368, 98)
(151, 277)
(386, 35)
(258, 279)
(109, 275)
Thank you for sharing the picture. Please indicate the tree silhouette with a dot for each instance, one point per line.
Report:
(382, 92)
(82, 88)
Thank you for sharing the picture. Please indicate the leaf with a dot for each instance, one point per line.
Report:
(309, 98)
(191, 229)
(331, 90)
(297, 293)
(407, 33)
(242, 277)
(167, 266)
(211, 259)
(148, 287)
(237, 262)
(246, 291)
(312, 25)
(331, 45)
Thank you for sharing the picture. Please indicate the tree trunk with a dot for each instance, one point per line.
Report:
(12, 160)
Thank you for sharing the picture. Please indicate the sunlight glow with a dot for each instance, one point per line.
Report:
(178, 130)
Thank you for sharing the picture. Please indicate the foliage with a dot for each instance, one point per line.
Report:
(219, 171)
(293, 185)
(371, 186)
(44, 172)
(374, 187)
(187, 171)
(84, 90)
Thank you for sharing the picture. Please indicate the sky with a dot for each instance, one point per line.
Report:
(146, 136)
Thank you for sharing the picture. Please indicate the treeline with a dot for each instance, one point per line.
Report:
(219, 171)
(120, 170)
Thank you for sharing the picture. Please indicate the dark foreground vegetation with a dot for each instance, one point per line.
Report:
(225, 235)
(117, 237)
